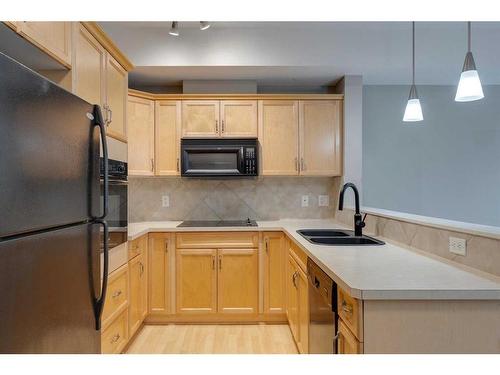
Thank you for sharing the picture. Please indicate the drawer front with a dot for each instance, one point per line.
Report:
(299, 255)
(114, 338)
(137, 246)
(350, 311)
(215, 240)
(116, 295)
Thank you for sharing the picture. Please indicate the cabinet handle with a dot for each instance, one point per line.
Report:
(105, 106)
(297, 164)
(152, 165)
(302, 167)
(178, 165)
(223, 126)
(166, 246)
(117, 293)
(216, 126)
(220, 262)
(294, 276)
(142, 268)
(346, 308)
(213, 262)
(110, 115)
(115, 338)
(267, 245)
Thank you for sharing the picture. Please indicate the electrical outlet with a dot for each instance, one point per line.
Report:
(165, 201)
(305, 201)
(458, 246)
(323, 200)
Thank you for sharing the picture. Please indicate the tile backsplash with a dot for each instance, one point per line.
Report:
(262, 198)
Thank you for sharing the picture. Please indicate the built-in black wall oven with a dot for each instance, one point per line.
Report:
(219, 157)
(118, 189)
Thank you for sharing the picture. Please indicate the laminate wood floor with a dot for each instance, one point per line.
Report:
(213, 339)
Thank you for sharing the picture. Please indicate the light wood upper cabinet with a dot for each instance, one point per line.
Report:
(159, 273)
(320, 137)
(116, 98)
(279, 136)
(167, 137)
(200, 118)
(274, 272)
(88, 67)
(238, 281)
(238, 118)
(54, 38)
(196, 285)
(138, 292)
(140, 117)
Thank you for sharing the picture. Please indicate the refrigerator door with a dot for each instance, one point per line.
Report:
(49, 153)
(50, 282)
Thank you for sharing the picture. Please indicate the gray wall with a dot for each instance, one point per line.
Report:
(446, 166)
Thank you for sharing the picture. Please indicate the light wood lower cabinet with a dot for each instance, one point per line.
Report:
(159, 273)
(275, 267)
(238, 281)
(347, 343)
(115, 337)
(138, 308)
(196, 281)
(141, 125)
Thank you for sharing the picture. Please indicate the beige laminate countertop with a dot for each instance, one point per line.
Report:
(367, 272)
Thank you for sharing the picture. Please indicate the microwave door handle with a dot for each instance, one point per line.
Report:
(242, 161)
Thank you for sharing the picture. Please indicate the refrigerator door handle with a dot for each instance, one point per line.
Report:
(102, 127)
(99, 302)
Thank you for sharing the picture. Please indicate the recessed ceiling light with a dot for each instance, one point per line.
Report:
(174, 29)
(204, 25)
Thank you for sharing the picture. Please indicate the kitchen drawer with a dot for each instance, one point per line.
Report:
(137, 246)
(114, 338)
(351, 312)
(347, 342)
(116, 295)
(299, 255)
(215, 240)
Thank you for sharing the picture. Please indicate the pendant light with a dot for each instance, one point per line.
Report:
(174, 30)
(469, 87)
(413, 111)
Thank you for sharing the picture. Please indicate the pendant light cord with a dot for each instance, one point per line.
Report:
(468, 37)
(413, 53)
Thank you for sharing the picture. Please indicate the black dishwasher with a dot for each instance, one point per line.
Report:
(322, 311)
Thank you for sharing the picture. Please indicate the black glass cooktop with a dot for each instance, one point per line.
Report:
(218, 223)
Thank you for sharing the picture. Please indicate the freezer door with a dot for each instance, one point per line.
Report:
(49, 153)
(49, 283)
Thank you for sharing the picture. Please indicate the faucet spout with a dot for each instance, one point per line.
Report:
(358, 221)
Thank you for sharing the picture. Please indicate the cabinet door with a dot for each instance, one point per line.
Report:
(274, 272)
(279, 136)
(302, 287)
(138, 293)
(88, 67)
(292, 305)
(238, 281)
(196, 286)
(347, 342)
(167, 137)
(238, 118)
(159, 275)
(320, 143)
(200, 118)
(141, 122)
(116, 98)
(54, 38)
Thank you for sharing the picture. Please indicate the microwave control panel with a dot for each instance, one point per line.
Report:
(250, 161)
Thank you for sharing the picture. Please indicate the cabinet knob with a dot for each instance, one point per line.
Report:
(117, 294)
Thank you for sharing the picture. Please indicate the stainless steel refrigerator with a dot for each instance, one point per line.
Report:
(51, 217)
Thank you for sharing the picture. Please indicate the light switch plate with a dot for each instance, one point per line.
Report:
(458, 246)
(165, 201)
(323, 200)
(305, 201)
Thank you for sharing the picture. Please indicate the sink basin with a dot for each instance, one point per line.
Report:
(351, 240)
(324, 233)
(337, 237)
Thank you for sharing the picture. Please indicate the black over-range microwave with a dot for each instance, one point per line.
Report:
(219, 157)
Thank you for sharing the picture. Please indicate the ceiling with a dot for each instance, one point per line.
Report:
(305, 53)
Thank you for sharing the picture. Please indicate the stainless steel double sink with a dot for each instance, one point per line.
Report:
(337, 237)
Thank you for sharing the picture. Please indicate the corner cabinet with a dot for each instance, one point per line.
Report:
(141, 128)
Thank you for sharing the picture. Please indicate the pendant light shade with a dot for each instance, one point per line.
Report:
(413, 110)
(469, 87)
(174, 29)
